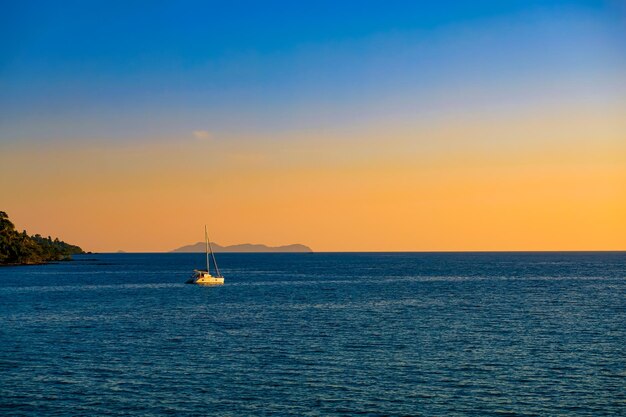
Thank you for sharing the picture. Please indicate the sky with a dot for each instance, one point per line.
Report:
(345, 126)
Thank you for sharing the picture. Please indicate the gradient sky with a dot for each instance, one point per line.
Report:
(352, 125)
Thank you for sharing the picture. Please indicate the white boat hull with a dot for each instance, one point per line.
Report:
(204, 278)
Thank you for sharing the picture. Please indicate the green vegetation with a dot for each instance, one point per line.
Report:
(20, 248)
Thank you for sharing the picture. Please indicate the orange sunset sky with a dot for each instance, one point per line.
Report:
(500, 130)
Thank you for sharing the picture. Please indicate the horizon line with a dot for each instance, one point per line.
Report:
(382, 251)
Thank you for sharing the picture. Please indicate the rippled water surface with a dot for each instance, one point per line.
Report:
(316, 334)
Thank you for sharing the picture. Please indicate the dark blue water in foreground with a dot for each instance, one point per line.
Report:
(316, 334)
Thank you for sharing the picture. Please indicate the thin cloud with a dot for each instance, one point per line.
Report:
(202, 134)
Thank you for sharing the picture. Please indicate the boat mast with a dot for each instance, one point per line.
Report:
(206, 235)
(206, 243)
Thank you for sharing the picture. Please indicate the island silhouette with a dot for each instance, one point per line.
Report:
(245, 248)
(20, 248)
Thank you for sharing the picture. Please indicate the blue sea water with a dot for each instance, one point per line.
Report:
(316, 334)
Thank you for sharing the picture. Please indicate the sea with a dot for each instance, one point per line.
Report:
(316, 334)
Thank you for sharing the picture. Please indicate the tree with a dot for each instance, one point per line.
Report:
(20, 248)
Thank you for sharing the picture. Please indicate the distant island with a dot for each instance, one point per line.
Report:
(18, 248)
(245, 248)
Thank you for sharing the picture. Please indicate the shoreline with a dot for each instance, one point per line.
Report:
(38, 263)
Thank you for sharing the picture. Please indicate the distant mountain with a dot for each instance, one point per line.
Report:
(246, 247)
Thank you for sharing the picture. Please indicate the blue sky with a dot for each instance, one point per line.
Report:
(344, 125)
(122, 70)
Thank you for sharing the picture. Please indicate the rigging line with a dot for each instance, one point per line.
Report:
(217, 269)
(206, 243)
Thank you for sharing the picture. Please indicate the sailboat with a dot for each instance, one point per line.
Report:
(200, 277)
